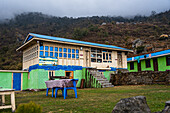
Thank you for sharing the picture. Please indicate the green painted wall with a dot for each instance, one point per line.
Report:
(143, 65)
(60, 73)
(107, 74)
(42, 77)
(25, 81)
(6, 79)
(33, 79)
(135, 67)
(161, 65)
(78, 75)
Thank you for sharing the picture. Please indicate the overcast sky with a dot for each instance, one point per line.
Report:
(83, 8)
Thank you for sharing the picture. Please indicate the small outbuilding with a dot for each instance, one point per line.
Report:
(156, 61)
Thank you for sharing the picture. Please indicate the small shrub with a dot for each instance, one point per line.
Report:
(30, 107)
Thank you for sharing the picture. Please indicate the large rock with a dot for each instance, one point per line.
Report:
(132, 105)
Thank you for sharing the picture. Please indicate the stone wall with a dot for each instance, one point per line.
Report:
(138, 78)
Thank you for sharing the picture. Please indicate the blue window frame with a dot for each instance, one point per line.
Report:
(41, 53)
(46, 54)
(46, 48)
(56, 54)
(60, 55)
(56, 48)
(73, 50)
(51, 48)
(60, 49)
(65, 49)
(65, 55)
(77, 55)
(69, 50)
(51, 54)
(73, 55)
(41, 47)
(69, 55)
(77, 51)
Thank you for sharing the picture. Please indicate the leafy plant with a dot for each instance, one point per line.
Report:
(30, 107)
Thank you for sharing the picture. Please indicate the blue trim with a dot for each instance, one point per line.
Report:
(58, 67)
(152, 55)
(75, 41)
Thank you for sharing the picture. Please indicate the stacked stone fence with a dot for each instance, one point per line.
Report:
(139, 78)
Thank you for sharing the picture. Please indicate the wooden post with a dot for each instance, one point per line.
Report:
(13, 100)
(3, 99)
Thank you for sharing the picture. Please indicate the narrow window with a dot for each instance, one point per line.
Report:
(60, 49)
(51, 54)
(73, 55)
(73, 50)
(65, 55)
(131, 65)
(148, 64)
(46, 48)
(56, 48)
(41, 53)
(56, 55)
(51, 48)
(41, 47)
(60, 55)
(65, 49)
(46, 54)
(168, 60)
(69, 50)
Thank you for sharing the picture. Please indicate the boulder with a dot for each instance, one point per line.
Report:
(136, 104)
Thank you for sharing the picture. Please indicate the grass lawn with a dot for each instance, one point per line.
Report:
(101, 100)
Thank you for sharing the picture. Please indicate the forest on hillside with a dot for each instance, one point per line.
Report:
(140, 33)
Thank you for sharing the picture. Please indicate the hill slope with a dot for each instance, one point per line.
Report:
(140, 33)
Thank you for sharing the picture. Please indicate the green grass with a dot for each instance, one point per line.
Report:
(95, 100)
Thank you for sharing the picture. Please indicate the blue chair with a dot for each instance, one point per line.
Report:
(64, 90)
(48, 90)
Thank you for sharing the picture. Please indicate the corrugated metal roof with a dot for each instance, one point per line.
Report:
(156, 54)
(73, 41)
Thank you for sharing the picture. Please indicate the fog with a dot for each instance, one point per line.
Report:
(83, 8)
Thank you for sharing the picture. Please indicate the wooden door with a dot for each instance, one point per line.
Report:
(155, 64)
(17, 81)
(139, 66)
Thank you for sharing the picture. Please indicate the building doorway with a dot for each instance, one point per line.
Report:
(155, 64)
(69, 74)
(139, 66)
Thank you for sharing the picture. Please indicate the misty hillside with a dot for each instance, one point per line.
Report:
(142, 34)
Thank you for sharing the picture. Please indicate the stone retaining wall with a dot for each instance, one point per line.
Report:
(138, 78)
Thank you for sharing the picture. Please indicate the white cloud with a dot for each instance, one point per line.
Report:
(78, 8)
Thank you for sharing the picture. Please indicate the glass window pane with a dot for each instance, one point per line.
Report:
(60, 54)
(69, 50)
(103, 55)
(56, 48)
(77, 55)
(60, 49)
(51, 54)
(73, 50)
(65, 49)
(46, 48)
(77, 51)
(46, 54)
(69, 55)
(65, 55)
(41, 47)
(106, 56)
(41, 53)
(73, 55)
(56, 54)
(51, 48)
(110, 57)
